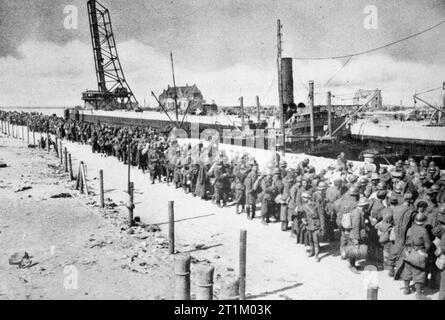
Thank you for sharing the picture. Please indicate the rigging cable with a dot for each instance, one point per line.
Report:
(373, 49)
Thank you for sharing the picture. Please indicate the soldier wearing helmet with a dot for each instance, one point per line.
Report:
(417, 243)
(375, 216)
(345, 206)
(303, 166)
(434, 171)
(252, 190)
(357, 234)
(287, 182)
(384, 175)
(269, 192)
(313, 219)
(292, 205)
(403, 215)
(283, 169)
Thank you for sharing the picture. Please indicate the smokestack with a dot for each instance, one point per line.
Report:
(288, 85)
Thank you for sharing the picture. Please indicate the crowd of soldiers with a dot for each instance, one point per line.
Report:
(389, 216)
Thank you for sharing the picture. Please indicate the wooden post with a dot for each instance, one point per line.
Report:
(101, 186)
(47, 139)
(131, 206)
(33, 138)
(372, 292)
(241, 103)
(23, 133)
(242, 265)
(182, 277)
(311, 109)
(171, 227)
(329, 107)
(71, 167)
(66, 159)
(129, 166)
(84, 178)
(258, 112)
(230, 289)
(204, 283)
(27, 134)
(61, 152)
(78, 179)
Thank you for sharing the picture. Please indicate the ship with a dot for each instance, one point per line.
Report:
(114, 103)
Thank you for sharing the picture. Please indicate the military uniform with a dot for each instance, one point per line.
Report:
(268, 195)
(251, 194)
(345, 205)
(315, 224)
(417, 238)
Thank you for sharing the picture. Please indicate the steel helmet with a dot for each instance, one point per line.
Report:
(363, 202)
(352, 178)
(381, 186)
(305, 195)
(398, 188)
(420, 218)
(381, 194)
(435, 188)
(408, 196)
(354, 191)
(422, 174)
(375, 176)
(322, 185)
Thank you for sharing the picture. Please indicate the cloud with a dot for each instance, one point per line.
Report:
(50, 74)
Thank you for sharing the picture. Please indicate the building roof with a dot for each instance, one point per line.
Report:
(184, 91)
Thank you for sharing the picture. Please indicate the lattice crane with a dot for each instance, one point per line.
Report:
(113, 90)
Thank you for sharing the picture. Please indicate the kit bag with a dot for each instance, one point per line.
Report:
(346, 221)
(357, 251)
(416, 258)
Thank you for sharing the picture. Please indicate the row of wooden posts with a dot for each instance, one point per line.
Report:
(234, 289)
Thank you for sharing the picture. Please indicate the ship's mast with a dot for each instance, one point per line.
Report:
(280, 86)
(174, 87)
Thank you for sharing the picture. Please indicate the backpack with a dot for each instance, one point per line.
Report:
(346, 221)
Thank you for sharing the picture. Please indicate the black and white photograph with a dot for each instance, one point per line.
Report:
(230, 150)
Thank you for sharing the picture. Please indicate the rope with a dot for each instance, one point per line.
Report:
(373, 49)
(337, 72)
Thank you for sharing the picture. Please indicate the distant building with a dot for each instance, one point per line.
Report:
(361, 96)
(185, 95)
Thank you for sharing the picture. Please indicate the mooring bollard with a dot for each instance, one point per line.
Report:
(171, 227)
(204, 283)
(230, 289)
(101, 187)
(182, 277)
(66, 159)
(131, 205)
(372, 292)
(71, 167)
(242, 264)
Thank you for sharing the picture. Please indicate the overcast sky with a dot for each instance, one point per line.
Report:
(226, 47)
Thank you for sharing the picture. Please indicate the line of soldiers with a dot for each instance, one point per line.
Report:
(392, 218)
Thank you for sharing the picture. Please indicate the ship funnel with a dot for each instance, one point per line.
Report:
(288, 87)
